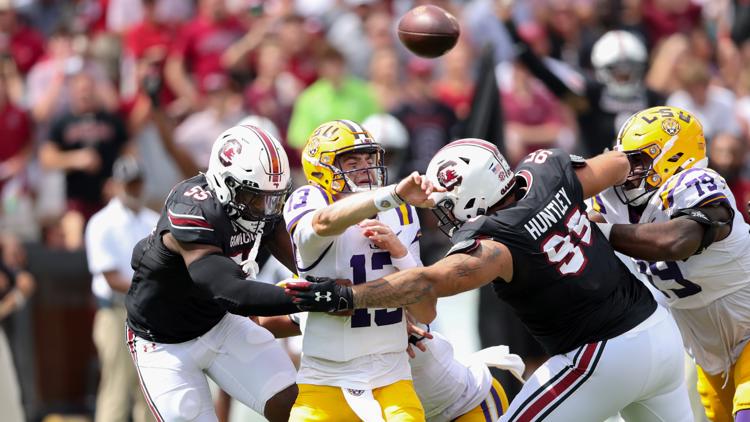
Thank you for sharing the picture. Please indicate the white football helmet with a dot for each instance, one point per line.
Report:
(476, 177)
(249, 174)
(619, 59)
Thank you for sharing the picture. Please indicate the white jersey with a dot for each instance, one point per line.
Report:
(368, 349)
(446, 387)
(701, 281)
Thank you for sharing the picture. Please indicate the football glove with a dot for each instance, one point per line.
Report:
(320, 295)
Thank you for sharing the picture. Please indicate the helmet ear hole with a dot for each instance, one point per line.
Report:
(470, 203)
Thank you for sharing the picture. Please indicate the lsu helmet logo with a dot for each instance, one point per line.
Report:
(670, 126)
(230, 149)
(447, 175)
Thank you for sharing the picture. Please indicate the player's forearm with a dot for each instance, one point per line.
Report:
(670, 241)
(337, 217)
(395, 290)
(221, 277)
(280, 326)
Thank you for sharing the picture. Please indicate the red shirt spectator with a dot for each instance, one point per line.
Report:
(203, 41)
(22, 43)
(663, 18)
(15, 131)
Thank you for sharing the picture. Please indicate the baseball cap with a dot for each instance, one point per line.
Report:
(127, 169)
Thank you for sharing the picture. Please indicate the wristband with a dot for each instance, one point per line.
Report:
(386, 198)
(605, 228)
(405, 262)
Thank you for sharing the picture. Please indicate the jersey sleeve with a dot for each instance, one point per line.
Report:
(298, 213)
(694, 188)
(189, 219)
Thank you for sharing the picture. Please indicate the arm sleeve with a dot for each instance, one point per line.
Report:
(223, 279)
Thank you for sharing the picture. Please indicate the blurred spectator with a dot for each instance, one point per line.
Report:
(296, 39)
(385, 78)
(16, 286)
(123, 14)
(743, 101)
(665, 59)
(727, 155)
(711, 104)
(666, 17)
(392, 135)
(110, 237)
(430, 123)
(273, 91)
(15, 131)
(603, 104)
(17, 40)
(455, 87)
(197, 133)
(83, 143)
(199, 48)
(533, 116)
(336, 95)
(347, 34)
(49, 81)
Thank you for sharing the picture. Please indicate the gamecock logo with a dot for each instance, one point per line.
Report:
(447, 175)
(230, 149)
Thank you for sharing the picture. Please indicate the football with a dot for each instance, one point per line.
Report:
(428, 31)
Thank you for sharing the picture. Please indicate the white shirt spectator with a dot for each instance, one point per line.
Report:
(198, 132)
(111, 235)
(717, 114)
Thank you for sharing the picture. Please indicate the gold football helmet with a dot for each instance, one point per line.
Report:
(660, 142)
(329, 142)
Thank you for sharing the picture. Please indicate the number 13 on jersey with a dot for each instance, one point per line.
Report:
(362, 317)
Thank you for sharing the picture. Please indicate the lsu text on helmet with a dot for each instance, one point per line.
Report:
(326, 150)
(619, 59)
(476, 177)
(249, 174)
(660, 142)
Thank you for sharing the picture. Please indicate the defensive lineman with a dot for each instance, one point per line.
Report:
(612, 349)
(188, 302)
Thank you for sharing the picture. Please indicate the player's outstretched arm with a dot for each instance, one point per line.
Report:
(600, 172)
(337, 217)
(673, 240)
(224, 279)
(454, 274)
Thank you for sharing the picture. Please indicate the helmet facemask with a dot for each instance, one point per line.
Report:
(358, 178)
(447, 221)
(643, 180)
(251, 208)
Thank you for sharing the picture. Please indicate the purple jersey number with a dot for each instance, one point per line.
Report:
(298, 200)
(361, 317)
(670, 272)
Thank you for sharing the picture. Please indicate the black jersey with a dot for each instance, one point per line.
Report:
(163, 303)
(568, 287)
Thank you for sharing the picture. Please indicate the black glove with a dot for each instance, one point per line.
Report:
(320, 294)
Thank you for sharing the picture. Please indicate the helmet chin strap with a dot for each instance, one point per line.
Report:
(249, 266)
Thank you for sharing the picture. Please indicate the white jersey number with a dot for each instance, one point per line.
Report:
(563, 251)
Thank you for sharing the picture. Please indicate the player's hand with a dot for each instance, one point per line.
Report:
(382, 236)
(415, 190)
(320, 295)
(416, 336)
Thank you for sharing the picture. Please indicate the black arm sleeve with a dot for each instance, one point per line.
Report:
(224, 279)
(537, 67)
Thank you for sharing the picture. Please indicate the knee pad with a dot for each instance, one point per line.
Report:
(186, 405)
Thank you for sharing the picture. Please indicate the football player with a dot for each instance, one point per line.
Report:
(612, 348)
(346, 224)
(189, 299)
(692, 243)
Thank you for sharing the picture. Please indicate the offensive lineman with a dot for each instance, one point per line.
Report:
(346, 225)
(612, 349)
(188, 303)
(692, 244)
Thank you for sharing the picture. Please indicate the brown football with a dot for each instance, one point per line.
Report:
(428, 31)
